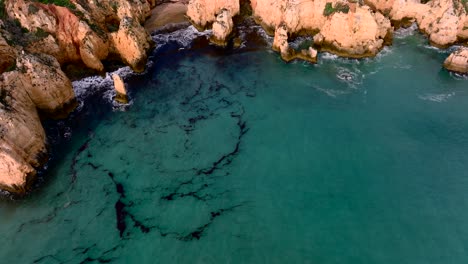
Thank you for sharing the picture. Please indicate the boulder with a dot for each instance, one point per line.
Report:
(457, 61)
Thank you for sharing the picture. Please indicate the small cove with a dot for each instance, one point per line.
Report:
(238, 157)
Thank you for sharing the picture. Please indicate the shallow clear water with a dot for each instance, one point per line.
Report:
(241, 158)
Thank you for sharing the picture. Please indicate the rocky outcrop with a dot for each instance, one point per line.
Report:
(132, 43)
(36, 40)
(50, 90)
(222, 28)
(341, 27)
(444, 21)
(458, 61)
(280, 44)
(22, 138)
(86, 32)
(356, 34)
(120, 89)
(218, 14)
(36, 83)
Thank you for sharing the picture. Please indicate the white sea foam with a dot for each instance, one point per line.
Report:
(330, 92)
(352, 77)
(405, 32)
(97, 84)
(299, 41)
(105, 85)
(387, 50)
(328, 56)
(261, 33)
(458, 76)
(183, 37)
(438, 98)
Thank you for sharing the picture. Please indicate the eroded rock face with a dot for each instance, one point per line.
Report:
(458, 61)
(36, 83)
(342, 27)
(222, 27)
(132, 43)
(204, 13)
(357, 34)
(22, 138)
(280, 44)
(444, 21)
(348, 29)
(32, 81)
(50, 90)
(121, 90)
(85, 33)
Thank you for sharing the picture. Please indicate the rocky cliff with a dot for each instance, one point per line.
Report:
(36, 41)
(349, 28)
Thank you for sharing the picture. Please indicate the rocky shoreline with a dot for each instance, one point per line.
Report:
(38, 41)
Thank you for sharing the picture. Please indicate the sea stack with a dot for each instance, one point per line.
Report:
(120, 89)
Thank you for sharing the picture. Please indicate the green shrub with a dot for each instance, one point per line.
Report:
(328, 9)
(339, 7)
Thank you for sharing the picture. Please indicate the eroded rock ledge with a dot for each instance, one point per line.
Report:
(36, 41)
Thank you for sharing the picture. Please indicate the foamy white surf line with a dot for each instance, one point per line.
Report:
(405, 32)
(105, 85)
(297, 42)
(97, 84)
(183, 37)
(442, 51)
(330, 92)
(460, 77)
(263, 34)
(438, 98)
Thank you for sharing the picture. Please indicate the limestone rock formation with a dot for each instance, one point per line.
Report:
(222, 27)
(120, 89)
(36, 83)
(50, 90)
(356, 34)
(36, 39)
(444, 21)
(339, 27)
(132, 43)
(204, 13)
(22, 138)
(280, 44)
(458, 61)
(86, 32)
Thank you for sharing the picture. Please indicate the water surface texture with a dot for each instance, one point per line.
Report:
(237, 157)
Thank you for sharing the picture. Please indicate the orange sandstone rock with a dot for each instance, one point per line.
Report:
(458, 61)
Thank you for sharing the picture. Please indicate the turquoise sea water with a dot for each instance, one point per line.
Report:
(237, 157)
